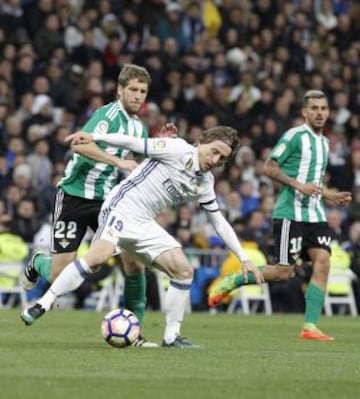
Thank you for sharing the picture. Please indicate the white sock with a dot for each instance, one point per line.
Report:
(68, 280)
(175, 304)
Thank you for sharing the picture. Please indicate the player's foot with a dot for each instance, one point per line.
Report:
(31, 314)
(30, 276)
(142, 342)
(221, 290)
(314, 334)
(180, 343)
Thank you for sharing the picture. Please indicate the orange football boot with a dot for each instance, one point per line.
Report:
(315, 335)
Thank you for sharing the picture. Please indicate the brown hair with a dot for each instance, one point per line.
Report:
(226, 134)
(132, 71)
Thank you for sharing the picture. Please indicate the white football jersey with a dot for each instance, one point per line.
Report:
(170, 177)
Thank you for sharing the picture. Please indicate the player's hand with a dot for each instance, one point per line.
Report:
(310, 189)
(342, 198)
(248, 267)
(169, 130)
(79, 138)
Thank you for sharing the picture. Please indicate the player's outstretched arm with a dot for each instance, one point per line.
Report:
(228, 235)
(116, 139)
(90, 150)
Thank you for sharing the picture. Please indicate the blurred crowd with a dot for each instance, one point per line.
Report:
(234, 62)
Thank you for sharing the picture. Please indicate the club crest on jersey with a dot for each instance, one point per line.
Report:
(159, 145)
(101, 127)
(279, 150)
(64, 243)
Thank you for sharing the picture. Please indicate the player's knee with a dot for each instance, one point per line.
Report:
(183, 272)
(99, 253)
(133, 267)
(95, 258)
(59, 262)
(321, 268)
(284, 272)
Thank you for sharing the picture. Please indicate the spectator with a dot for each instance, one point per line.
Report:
(40, 164)
(325, 14)
(48, 37)
(250, 201)
(26, 222)
(233, 209)
(193, 24)
(35, 15)
(74, 32)
(170, 25)
(41, 122)
(353, 210)
(87, 51)
(5, 176)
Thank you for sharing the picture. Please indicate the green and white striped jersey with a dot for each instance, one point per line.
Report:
(86, 178)
(302, 155)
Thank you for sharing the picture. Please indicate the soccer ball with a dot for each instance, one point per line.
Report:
(120, 328)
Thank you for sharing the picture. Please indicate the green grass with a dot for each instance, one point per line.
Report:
(63, 356)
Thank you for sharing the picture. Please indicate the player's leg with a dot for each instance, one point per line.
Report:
(72, 217)
(101, 249)
(235, 280)
(135, 285)
(287, 246)
(135, 293)
(316, 290)
(39, 265)
(46, 266)
(70, 278)
(175, 264)
(153, 245)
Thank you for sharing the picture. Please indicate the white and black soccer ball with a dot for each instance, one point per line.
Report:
(120, 328)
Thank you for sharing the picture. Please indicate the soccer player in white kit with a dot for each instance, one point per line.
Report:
(174, 173)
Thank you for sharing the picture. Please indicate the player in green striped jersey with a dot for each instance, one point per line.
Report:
(89, 176)
(298, 162)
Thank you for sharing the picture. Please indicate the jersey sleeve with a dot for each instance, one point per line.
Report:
(282, 149)
(166, 148)
(98, 123)
(207, 199)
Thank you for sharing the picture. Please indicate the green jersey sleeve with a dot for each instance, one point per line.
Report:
(283, 148)
(99, 122)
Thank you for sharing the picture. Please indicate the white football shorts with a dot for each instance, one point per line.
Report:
(142, 237)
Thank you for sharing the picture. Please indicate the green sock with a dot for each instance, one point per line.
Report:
(135, 294)
(239, 279)
(42, 264)
(314, 299)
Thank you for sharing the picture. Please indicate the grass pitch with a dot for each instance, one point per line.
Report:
(64, 357)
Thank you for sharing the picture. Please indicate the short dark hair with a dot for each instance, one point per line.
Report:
(313, 94)
(226, 134)
(132, 71)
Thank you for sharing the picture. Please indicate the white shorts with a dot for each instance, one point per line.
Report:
(139, 236)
